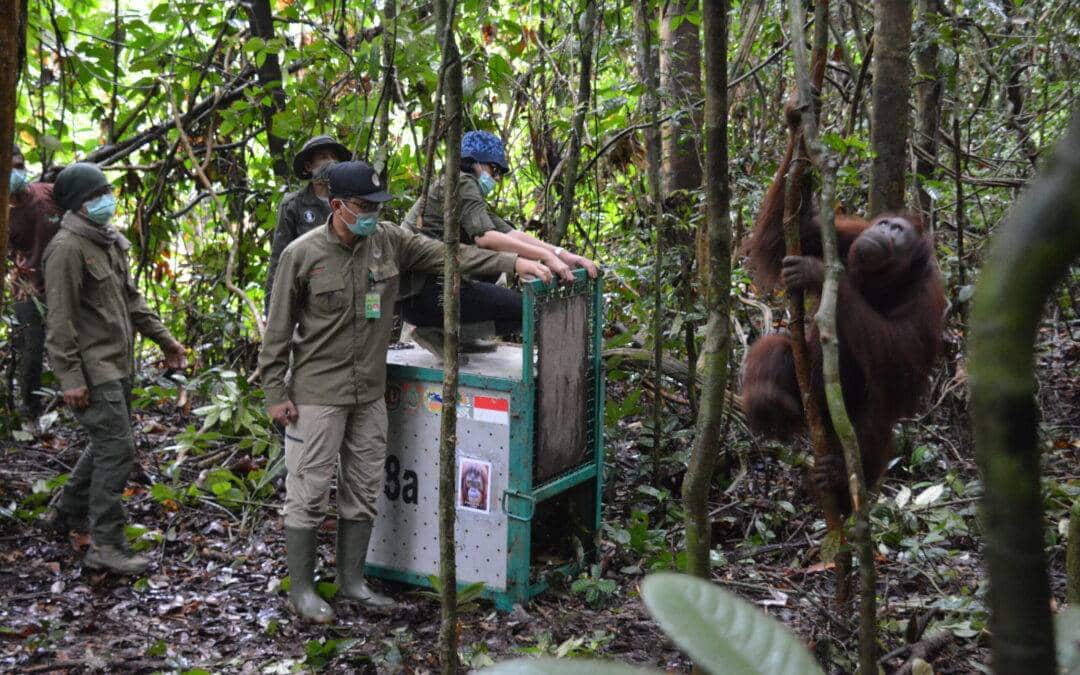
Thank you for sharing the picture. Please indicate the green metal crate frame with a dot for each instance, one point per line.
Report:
(520, 499)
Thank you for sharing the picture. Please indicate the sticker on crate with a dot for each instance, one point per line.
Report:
(490, 409)
(474, 485)
(433, 403)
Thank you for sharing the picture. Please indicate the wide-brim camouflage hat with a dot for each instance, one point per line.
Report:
(299, 164)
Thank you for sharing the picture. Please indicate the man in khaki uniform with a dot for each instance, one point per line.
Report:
(332, 311)
(94, 311)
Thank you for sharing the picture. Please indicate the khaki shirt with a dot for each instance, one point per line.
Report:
(94, 309)
(476, 219)
(319, 311)
(300, 212)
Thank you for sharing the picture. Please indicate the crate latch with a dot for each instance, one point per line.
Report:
(526, 499)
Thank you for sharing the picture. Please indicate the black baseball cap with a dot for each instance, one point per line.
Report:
(356, 179)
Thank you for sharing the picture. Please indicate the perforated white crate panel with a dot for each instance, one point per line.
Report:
(406, 535)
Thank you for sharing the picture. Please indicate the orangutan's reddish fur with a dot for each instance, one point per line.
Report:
(890, 325)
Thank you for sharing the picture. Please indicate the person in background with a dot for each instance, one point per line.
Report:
(487, 309)
(34, 220)
(307, 208)
(330, 319)
(94, 311)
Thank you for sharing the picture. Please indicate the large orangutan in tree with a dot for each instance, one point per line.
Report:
(890, 315)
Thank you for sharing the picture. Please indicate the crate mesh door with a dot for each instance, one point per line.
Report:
(563, 385)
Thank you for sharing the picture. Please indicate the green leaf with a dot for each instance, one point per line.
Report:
(563, 667)
(326, 589)
(162, 492)
(720, 631)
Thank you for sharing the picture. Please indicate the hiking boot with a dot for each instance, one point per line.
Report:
(300, 545)
(475, 336)
(62, 523)
(353, 537)
(116, 559)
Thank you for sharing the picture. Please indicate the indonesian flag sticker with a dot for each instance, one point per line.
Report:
(492, 410)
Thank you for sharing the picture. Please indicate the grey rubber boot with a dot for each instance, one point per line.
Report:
(300, 544)
(117, 559)
(475, 336)
(352, 545)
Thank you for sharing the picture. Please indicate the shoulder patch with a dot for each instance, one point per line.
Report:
(309, 217)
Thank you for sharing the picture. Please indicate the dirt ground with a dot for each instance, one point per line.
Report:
(211, 601)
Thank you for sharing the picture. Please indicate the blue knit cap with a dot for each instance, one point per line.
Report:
(484, 147)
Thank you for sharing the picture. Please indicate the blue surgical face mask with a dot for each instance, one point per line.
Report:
(364, 224)
(101, 209)
(487, 183)
(19, 180)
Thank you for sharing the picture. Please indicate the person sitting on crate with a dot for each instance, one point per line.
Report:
(327, 314)
(486, 308)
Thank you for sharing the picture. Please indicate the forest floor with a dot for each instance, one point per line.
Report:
(212, 601)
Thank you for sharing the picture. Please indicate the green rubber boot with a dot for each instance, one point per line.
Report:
(300, 544)
(352, 545)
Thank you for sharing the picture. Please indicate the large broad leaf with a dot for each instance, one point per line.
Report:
(564, 667)
(1067, 630)
(721, 632)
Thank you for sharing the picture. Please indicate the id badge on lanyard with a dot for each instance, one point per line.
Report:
(372, 305)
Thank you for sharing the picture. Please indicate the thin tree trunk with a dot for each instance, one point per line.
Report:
(11, 37)
(958, 180)
(680, 81)
(1030, 254)
(928, 107)
(830, 347)
(389, 41)
(890, 93)
(261, 21)
(961, 271)
(709, 433)
(797, 198)
(681, 171)
(651, 104)
(451, 67)
(587, 32)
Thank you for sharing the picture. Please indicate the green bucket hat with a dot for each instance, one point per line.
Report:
(299, 164)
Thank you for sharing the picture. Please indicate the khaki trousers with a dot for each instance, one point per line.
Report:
(350, 439)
